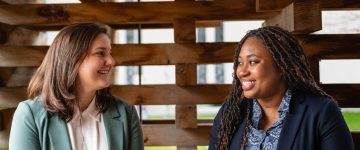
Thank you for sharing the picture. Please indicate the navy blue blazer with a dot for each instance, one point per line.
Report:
(313, 123)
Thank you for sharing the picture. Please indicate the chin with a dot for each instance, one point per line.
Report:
(249, 96)
(103, 85)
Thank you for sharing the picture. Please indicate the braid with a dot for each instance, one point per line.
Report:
(247, 126)
(232, 114)
(289, 57)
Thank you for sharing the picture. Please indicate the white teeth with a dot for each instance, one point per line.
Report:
(104, 71)
(247, 82)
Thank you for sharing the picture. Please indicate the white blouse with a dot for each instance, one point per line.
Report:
(87, 130)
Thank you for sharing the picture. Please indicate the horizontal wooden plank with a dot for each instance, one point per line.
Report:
(3, 3)
(127, 13)
(172, 94)
(299, 17)
(131, 54)
(346, 94)
(331, 46)
(199, 24)
(11, 96)
(175, 136)
(22, 56)
(315, 46)
(89, 1)
(340, 4)
(277, 5)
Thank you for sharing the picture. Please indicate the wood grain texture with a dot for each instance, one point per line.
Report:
(334, 46)
(346, 94)
(127, 13)
(185, 74)
(7, 116)
(175, 136)
(277, 5)
(299, 17)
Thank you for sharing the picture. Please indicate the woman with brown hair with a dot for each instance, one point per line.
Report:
(70, 105)
(275, 102)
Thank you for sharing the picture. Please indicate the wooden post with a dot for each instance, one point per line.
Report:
(300, 17)
(186, 74)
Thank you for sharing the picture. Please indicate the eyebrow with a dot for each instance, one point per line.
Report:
(251, 55)
(104, 48)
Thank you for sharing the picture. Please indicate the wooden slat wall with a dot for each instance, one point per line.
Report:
(13, 77)
(19, 56)
(271, 5)
(186, 74)
(330, 46)
(345, 94)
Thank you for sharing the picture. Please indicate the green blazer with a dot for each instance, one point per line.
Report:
(33, 128)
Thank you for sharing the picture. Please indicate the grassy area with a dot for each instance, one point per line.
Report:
(352, 120)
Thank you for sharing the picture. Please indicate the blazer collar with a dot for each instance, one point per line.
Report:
(58, 134)
(114, 126)
(292, 121)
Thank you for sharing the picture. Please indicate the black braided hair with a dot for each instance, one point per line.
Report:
(288, 56)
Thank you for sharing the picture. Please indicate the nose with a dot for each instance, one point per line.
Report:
(242, 71)
(110, 60)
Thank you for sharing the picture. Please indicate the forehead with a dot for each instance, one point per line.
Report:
(254, 46)
(101, 40)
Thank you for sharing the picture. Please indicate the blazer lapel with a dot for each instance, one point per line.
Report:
(292, 123)
(114, 128)
(58, 134)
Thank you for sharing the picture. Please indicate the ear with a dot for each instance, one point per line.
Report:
(281, 72)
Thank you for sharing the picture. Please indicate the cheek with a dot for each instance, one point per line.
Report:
(237, 73)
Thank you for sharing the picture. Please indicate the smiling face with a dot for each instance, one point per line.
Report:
(257, 72)
(94, 71)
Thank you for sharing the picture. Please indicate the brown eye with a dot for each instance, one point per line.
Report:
(100, 53)
(253, 62)
(240, 63)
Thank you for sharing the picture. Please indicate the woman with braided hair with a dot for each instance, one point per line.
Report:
(275, 102)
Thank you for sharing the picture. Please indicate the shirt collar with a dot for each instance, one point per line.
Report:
(90, 112)
(283, 108)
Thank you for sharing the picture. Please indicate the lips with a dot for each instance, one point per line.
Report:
(247, 85)
(104, 71)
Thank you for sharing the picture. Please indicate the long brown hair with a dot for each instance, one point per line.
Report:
(55, 79)
(289, 57)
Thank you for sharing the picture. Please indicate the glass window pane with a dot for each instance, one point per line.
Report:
(157, 36)
(339, 71)
(340, 22)
(235, 30)
(158, 74)
(158, 112)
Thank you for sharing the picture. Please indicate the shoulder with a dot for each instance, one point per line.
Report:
(29, 113)
(120, 103)
(33, 106)
(319, 103)
(122, 107)
(314, 103)
(320, 108)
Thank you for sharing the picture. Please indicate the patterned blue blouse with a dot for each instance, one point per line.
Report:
(267, 140)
